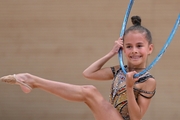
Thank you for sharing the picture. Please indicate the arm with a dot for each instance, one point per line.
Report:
(137, 109)
(95, 70)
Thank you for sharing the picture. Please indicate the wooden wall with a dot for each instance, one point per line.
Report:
(58, 39)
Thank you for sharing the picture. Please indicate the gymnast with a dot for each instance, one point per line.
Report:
(129, 98)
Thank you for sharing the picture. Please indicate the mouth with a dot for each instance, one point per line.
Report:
(135, 57)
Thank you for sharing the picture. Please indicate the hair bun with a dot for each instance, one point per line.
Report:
(136, 20)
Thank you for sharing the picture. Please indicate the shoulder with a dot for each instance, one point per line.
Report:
(149, 84)
(115, 69)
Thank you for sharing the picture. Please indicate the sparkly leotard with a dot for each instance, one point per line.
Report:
(118, 96)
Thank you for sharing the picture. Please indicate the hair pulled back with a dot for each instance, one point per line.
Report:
(136, 21)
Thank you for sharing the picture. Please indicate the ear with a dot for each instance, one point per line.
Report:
(150, 48)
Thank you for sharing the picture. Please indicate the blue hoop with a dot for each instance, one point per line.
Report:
(158, 56)
(126, 16)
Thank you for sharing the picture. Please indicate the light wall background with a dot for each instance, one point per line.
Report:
(58, 39)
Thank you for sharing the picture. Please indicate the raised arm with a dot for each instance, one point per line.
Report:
(95, 70)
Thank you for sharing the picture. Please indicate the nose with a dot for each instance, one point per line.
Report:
(134, 50)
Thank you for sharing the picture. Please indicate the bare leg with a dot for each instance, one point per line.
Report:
(102, 109)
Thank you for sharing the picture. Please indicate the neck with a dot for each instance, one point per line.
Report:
(134, 69)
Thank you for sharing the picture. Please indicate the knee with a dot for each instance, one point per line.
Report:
(89, 92)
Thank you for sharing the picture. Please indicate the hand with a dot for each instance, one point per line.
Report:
(117, 45)
(130, 80)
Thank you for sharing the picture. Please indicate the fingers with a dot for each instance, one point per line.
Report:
(131, 75)
(130, 80)
(117, 45)
(120, 38)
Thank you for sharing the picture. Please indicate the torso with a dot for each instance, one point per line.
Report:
(118, 96)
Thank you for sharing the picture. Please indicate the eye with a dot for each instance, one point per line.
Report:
(140, 45)
(128, 46)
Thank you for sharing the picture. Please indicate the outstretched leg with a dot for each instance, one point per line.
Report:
(101, 109)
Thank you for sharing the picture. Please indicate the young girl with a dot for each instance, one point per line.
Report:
(129, 98)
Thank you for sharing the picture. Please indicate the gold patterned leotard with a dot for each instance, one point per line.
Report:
(118, 96)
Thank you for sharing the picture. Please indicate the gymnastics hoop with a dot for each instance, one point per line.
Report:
(158, 56)
(126, 18)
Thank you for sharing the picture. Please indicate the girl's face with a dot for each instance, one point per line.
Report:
(136, 49)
